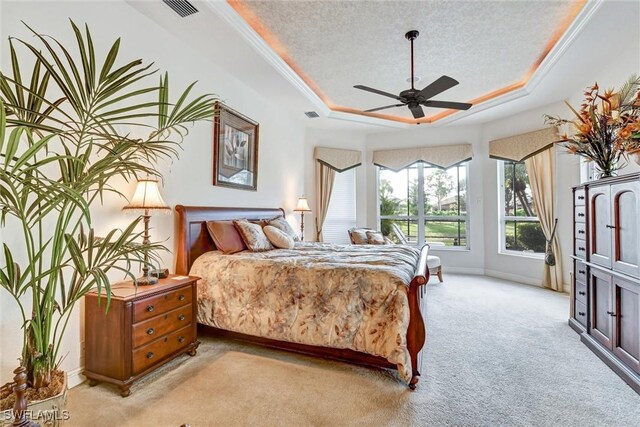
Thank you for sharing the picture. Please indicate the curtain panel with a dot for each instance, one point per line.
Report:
(330, 161)
(541, 169)
(442, 156)
(518, 148)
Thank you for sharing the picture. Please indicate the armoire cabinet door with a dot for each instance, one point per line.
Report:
(600, 225)
(625, 199)
(601, 307)
(626, 339)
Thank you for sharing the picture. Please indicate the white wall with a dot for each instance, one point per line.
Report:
(188, 180)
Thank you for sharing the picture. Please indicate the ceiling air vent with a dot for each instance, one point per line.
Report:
(311, 114)
(181, 7)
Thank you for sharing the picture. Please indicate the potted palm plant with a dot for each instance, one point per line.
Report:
(66, 127)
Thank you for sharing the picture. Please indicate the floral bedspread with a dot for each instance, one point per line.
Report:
(339, 296)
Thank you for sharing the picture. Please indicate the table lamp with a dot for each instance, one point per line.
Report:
(303, 207)
(147, 201)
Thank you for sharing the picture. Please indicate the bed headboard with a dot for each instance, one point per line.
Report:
(193, 236)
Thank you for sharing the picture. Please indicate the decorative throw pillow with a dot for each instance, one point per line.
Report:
(375, 238)
(359, 236)
(253, 236)
(282, 224)
(278, 238)
(226, 236)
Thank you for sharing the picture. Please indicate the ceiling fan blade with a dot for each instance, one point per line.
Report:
(447, 104)
(379, 92)
(417, 111)
(383, 108)
(439, 86)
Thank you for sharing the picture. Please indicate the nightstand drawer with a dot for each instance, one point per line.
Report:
(155, 351)
(151, 329)
(153, 306)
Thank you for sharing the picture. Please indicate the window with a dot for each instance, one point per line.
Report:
(341, 214)
(521, 231)
(425, 204)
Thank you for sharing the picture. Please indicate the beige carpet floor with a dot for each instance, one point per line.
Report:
(498, 353)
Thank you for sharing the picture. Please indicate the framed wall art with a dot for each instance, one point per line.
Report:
(235, 150)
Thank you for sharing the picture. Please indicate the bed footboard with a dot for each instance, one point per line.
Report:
(416, 332)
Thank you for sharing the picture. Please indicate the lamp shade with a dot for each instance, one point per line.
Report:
(303, 205)
(147, 198)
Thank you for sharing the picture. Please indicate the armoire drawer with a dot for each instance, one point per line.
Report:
(581, 272)
(580, 214)
(581, 230)
(581, 313)
(579, 197)
(581, 248)
(581, 293)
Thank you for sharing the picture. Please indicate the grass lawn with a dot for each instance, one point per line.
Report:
(436, 231)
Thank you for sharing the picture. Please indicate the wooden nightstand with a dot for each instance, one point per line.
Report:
(144, 328)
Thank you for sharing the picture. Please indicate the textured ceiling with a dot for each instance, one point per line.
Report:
(490, 47)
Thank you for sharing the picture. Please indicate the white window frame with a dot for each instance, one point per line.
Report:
(503, 219)
(426, 218)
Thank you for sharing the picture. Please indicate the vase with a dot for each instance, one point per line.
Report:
(606, 170)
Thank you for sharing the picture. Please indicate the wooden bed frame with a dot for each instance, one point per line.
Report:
(194, 240)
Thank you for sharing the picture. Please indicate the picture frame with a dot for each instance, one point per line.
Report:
(235, 149)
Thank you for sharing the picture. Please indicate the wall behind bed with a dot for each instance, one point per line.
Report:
(188, 180)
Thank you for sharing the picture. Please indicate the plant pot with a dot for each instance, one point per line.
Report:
(48, 412)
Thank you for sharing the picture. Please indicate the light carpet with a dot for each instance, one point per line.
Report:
(497, 353)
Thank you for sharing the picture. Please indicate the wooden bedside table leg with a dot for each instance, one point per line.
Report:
(125, 390)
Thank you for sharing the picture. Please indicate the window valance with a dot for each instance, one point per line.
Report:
(442, 156)
(521, 147)
(338, 159)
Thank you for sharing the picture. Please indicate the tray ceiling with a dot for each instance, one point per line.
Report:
(490, 47)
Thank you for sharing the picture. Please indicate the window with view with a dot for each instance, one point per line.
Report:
(521, 231)
(422, 203)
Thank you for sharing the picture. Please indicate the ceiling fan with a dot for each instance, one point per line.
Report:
(414, 98)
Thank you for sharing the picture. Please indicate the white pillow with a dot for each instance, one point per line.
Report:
(278, 238)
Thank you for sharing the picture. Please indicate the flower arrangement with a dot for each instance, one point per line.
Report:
(607, 127)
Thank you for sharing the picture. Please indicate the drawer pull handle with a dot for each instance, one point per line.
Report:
(581, 248)
(580, 231)
(580, 197)
(582, 293)
(581, 313)
(582, 272)
(611, 313)
(150, 331)
(181, 297)
(181, 317)
(610, 226)
(180, 339)
(150, 355)
(581, 214)
(150, 308)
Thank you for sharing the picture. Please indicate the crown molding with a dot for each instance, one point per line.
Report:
(231, 17)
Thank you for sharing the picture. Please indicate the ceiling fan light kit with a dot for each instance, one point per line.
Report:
(416, 99)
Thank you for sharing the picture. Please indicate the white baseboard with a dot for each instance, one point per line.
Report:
(463, 270)
(75, 377)
(514, 277)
